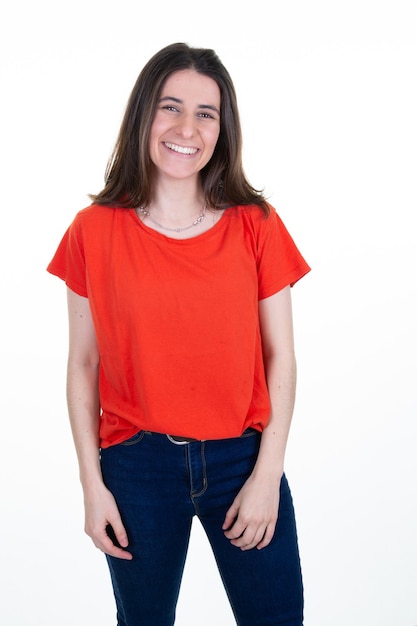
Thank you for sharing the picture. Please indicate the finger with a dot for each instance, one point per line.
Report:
(236, 530)
(231, 516)
(117, 532)
(119, 553)
(250, 538)
(267, 538)
(105, 543)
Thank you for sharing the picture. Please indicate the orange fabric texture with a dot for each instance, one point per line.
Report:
(177, 320)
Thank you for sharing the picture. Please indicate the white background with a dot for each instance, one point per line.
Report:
(328, 99)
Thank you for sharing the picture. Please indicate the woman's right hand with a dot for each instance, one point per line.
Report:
(101, 512)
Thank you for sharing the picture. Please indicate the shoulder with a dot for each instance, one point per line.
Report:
(96, 213)
(97, 218)
(251, 212)
(254, 218)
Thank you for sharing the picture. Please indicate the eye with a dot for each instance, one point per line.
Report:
(170, 107)
(208, 114)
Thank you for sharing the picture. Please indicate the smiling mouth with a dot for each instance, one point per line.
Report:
(180, 149)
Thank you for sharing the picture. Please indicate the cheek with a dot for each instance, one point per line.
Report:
(153, 142)
(212, 140)
(157, 128)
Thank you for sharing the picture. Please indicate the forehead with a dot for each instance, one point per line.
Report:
(189, 84)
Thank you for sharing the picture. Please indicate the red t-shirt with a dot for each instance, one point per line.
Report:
(177, 320)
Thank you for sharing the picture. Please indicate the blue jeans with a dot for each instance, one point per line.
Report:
(159, 486)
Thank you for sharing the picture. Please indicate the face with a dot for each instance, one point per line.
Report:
(186, 125)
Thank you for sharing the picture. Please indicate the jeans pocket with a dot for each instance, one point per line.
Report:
(134, 439)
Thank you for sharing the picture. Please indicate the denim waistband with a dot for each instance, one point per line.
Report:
(181, 441)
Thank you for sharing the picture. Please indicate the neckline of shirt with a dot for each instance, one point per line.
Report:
(185, 241)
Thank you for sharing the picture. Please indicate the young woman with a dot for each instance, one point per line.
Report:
(181, 368)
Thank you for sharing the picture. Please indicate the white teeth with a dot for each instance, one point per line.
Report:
(181, 149)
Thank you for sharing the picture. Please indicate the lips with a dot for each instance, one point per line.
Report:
(180, 149)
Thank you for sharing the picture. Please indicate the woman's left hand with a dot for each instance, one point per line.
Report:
(250, 522)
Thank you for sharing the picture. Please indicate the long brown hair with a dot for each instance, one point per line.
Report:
(128, 178)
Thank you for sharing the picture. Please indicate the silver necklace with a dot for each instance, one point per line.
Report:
(196, 222)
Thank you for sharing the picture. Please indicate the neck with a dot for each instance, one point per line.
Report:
(179, 201)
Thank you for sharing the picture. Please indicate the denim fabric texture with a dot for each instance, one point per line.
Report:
(159, 487)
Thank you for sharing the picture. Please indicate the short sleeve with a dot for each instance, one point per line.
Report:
(68, 262)
(279, 262)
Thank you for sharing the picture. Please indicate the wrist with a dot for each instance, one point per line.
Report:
(90, 475)
(268, 471)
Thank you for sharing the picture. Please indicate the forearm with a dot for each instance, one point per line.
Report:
(251, 519)
(281, 380)
(84, 411)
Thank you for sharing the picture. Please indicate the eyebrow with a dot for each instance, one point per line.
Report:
(200, 106)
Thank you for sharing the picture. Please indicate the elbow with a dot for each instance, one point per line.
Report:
(282, 366)
(89, 361)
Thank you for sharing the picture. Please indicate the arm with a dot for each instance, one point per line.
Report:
(250, 521)
(84, 412)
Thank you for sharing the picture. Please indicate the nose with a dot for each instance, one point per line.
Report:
(186, 126)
